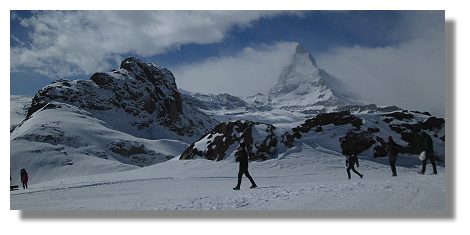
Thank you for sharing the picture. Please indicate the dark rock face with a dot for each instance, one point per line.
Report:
(135, 153)
(316, 124)
(265, 145)
(410, 132)
(144, 91)
(356, 142)
(259, 139)
(356, 137)
(337, 118)
(136, 87)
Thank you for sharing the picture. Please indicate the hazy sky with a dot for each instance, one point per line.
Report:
(389, 57)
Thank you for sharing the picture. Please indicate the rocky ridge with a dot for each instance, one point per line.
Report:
(143, 91)
(345, 133)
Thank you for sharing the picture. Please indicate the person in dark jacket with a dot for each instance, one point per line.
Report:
(24, 178)
(242, 157)
(392, 150)
(352, 159)
(428, 147)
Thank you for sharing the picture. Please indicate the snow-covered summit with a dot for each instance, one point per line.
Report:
(302, 89)
(302, 70)
(302, 85)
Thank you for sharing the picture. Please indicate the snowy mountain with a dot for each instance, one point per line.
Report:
(116, 121)
(305, 107)
(132, 134)
(142, 95)
(310, 175)
(303, 86)
(19, 106)
(302, 90)
(215, 102)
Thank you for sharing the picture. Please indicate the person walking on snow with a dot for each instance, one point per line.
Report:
(350, 161)
(242, 157)
(24, 178)
(428, 147)
(392, 150)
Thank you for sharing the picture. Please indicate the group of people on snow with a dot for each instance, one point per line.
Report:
(351, 160)
(428, 149)
(392, 152)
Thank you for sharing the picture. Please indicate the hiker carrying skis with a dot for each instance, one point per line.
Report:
(428, 147)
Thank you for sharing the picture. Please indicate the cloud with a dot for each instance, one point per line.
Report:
(250, 71)
(67, 43)
(410, 75)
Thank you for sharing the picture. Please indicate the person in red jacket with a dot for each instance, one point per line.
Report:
(24, 178)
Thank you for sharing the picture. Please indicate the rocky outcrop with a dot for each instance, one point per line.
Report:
(260, 139)
(410, 130)
(144, 91)
(354, 134)
(135, 153)
(130, 117)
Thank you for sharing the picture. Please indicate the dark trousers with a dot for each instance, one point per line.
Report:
(247, 174)
(433, 163)
(25, 184)
(393, 167)
(351, 167)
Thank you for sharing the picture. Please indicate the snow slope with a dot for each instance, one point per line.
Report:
(302, 179)
(19, 106)
(309, 176)
(68, 141)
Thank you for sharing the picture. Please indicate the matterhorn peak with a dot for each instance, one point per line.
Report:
(300, 50)
(302, 69)
(303, 85)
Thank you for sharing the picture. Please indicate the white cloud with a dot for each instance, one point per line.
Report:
(247, 73)
(410, 75)
(66, 43)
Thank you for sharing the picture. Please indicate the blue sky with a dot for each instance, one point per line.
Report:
(389, 57)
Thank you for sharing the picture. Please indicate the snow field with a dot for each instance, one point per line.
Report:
(304, 180)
